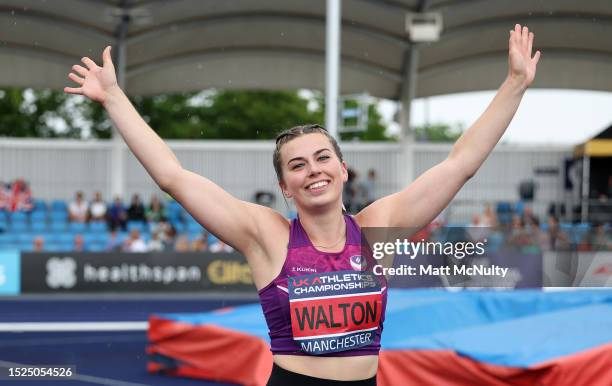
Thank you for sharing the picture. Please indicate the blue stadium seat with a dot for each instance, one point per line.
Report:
(95, 238)
(194, 227)
(173, 205)
(179, 226)
(19, 216)
(7, 238)
(136, 225)
(96, 247)
(53, 247)
(65, 238)
(66, 247)
(98, 226)
(26, 247)
(58, 226)
(40, 205)
(173, 211)
(77, 227)
(212, 239)
(39, 226)
(101, 238)
(195, 235)
(50, 238)
(38, 215)
(89, 237)
(504, 212)
(25, 238)
(56, 215)
(187, 217)
(19, 226)
(59, 206)
(580, 231)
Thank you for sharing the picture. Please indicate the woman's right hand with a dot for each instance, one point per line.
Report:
(95, 82)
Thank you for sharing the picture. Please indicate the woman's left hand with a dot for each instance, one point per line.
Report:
(521, 66)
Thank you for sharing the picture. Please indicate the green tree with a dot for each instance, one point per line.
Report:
(439, 132)
(203, 115)
(38, 113)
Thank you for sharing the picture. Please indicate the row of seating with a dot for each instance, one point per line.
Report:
(92, 241)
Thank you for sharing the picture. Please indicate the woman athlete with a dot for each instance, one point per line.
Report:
(339, 343)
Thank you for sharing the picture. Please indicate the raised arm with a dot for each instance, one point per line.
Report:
(234, 221)
(419, 203)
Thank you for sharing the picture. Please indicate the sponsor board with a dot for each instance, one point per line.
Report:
(134, 272)
(9, 272)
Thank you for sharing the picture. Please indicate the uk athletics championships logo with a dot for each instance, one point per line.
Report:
(358, 263)
(334, 311)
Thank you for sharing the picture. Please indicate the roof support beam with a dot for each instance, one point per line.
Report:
(117, 158)
(407, 94)
(332, 66)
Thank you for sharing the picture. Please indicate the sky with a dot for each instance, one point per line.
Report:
(544, 116)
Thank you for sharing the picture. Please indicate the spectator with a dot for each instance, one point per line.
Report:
(220, 247)
(182, 244)
(366, 190)
(134, 243)
(528, 214)
(477, 231)
(97, 208)
(21, 196)
(5, 196)
(200, 243)
(155, 244)
(349, 191)
(38, 244)
(117, 215)
(519, 236)
(489, 219)
(114, 242)
(79, 243)
(599, 240)
(170, 238)
(78, 209)
(555, 239)
(156, 211)
(136, 211)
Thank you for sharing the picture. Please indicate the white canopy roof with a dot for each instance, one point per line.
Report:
(189, 45)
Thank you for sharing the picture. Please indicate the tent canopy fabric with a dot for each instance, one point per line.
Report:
(190, 45)
(598, 146)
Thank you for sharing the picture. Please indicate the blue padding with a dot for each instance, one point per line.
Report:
(247, 319)
(509, 328)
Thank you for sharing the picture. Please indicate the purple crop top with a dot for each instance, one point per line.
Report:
(325, 304)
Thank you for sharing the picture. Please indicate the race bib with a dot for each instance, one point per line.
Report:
(334, 311)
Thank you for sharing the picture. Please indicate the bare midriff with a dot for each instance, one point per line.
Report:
(352, 368)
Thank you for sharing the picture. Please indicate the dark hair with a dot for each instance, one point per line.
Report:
(295, 132)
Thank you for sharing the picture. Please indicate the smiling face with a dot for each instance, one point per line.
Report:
(312, 173)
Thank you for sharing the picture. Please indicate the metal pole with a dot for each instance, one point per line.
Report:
(118, 165)
(584, 207)
(406, 135)
(332, 61)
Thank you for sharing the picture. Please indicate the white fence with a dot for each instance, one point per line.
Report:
(55, 169)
